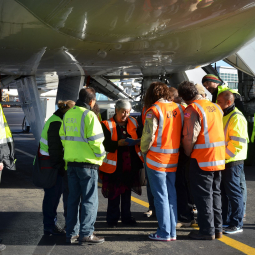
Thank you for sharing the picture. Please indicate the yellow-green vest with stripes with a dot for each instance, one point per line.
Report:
(253, 131)
(6, 142)
(236, 136)
(82, 137)
(44, 148)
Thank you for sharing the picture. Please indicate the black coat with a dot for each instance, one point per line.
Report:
(56, 150)
(112, 146)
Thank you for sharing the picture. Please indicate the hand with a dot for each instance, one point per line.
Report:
(122, 142)
(1, 166)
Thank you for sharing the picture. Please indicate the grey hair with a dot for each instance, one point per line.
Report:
(123, 104)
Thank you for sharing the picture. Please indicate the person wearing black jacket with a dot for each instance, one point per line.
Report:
(51, 146)
(117, 186)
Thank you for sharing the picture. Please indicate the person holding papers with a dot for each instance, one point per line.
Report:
(121, 167)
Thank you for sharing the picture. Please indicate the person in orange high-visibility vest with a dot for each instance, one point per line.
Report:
(161, 141)
(203, 140)
(151, 211)
(122, 164)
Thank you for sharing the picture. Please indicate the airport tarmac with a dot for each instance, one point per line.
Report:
(21, 226)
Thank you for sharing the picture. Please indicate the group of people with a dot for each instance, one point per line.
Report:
(198, 151)
(193, 152)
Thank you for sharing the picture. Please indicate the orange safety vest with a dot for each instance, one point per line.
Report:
(143, 115)
(163, 155)
(209, 149)
(110, 161)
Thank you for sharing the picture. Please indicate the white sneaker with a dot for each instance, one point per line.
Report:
(173, 238)
(155, 237)
(232, 230)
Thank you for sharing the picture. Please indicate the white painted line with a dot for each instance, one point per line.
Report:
(28, 154)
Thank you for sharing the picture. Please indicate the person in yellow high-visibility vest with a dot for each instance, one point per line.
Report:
(7, 158)
(52, 150)
(253, 131)
(236, 139)
(82, 138)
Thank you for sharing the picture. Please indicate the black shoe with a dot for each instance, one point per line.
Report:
(2, 247)
(196, 235)
(57, 231)
(112, 225)
(91, 240)
(130, 222)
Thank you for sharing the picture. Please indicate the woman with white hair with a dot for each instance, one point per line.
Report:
(120, 169)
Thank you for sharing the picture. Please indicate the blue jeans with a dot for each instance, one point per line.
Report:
(244, 189)
(205, 187)
(232, 197)
(165, 201)
(51, 201)
(82, 183)
(149, 194)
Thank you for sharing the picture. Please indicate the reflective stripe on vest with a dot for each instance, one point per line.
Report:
(207, 143)
(212, 163)
(165, 151)
(108, 161)
(182, 113)
(231, 154)
(159, 165)
(226, 127)
(238, 139)
(82, 131)
(44, 153)
(133, 121)
(110, 126)
(219, 108)
(160, 132)
(44, 141)
(6, 140)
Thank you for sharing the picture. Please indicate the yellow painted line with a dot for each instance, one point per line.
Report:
(141, 202)
(238, 245)
(246, 249)
(233, 243)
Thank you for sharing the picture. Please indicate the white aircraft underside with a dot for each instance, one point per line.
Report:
(95, 37)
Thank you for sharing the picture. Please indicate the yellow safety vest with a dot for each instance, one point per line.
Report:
(82, 137)
(253, 132)
(6, 143)
(236, 136)
(44, 148)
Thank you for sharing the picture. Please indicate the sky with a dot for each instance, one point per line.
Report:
(221, 63)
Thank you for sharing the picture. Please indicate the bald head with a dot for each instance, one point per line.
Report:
(225, 99)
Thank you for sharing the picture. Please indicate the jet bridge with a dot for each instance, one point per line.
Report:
(108, 88)
(243, 60)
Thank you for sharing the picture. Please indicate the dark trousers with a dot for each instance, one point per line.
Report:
(113, 209)
(184, 199)
(51, 201)
(232, 197)
(148, 187)
(205, 186)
